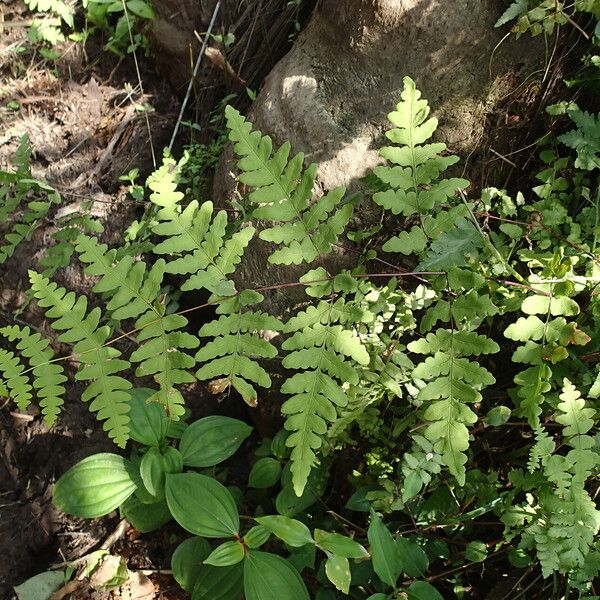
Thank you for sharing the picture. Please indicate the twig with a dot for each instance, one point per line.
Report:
(194, 74)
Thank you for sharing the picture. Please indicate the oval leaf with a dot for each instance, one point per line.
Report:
(95, 486)
(202, 505)
(145, 517)
(421, 590)
(340, 545)
(414, 559)
(384, 552)
(40, 586)
(256, 537)
(212, 440)
(148, 420)
(265, 473)
(155, 466)
(337, 569)
(219, 583)
(225, 555)
(294, 533)
(270, 577)
(187, 560)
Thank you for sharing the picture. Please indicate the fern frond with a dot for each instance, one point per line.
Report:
(231, 355)
(326, 352)
(99, 363)
(15, 188)
(453, 382)
(48, 376)
(569, 520)
(283, 193)
(135, 294)
(208, 255)
(414, 185)
(14, 382)
(56, 7)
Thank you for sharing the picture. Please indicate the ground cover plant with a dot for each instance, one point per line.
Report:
(439, 397)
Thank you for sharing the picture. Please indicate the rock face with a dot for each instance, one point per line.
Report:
(330, 94)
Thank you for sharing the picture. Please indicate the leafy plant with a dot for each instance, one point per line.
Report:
(413, 385)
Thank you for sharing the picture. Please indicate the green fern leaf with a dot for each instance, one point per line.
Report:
(231, 355)
(452, 382)
(99, 363)
(207, 255)
(135, 294)
(326, 351)
(283, 193)
(414, 188)
(16, 384)
(48, 376)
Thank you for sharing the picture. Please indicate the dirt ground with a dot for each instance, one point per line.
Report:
(79, 113)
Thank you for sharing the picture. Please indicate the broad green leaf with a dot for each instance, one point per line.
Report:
(155, 465)
(421, 590)
(149, 421)
(202, 505)
(140, 8)
(498, 415)
(303, 557)
(384, 552)
(265, 473)
(256, 537)
(337, 569)
(95, 486)
(340, 545)
(414, 559)
(270, 577)
(212, 440)
(187, 560)
(219, 583)
(541, 305)
(294, 533)
(476, 551)
(225, 555)
(40, 586)
(145, 517)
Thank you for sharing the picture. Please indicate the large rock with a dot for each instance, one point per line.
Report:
(330, 94)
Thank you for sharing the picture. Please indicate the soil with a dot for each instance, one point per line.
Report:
(81, 115)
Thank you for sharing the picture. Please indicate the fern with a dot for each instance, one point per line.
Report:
(237, 343)
(453, 382)
(15, 188)
(100, 364)
(414, 188)
(14, 383)
(206, 253)
(564, 534)
(53, 7)
(283, 193)
(136, 294)
(325, 350)
(48, 376)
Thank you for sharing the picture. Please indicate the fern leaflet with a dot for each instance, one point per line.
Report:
(207, 254)
(237, 343)
(564, 532)
(414, 188)
(48, 376)
(453, 381)
(99, 363)
(15, 384)
(283, 193)
(325, 351)
(135, 294)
